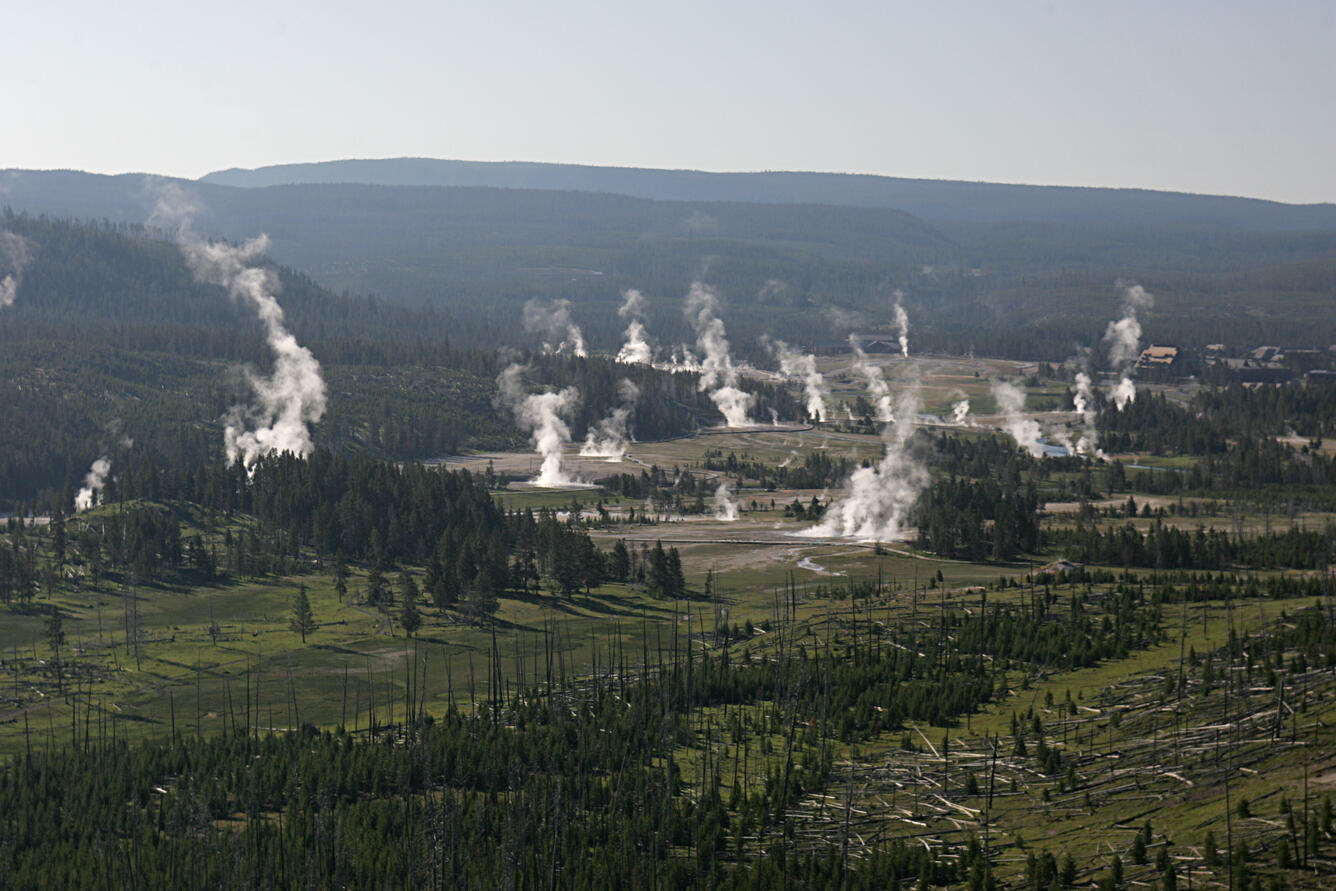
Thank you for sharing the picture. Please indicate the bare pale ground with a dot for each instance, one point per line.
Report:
(1298, 442)
(760, 540)
(763, 539)
(1072, 507)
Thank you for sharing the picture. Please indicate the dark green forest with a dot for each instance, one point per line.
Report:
(112, 341)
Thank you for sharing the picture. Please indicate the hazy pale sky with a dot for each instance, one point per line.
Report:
(1221, 97)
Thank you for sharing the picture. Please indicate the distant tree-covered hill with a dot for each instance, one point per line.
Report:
(931, 199)
(803, 272)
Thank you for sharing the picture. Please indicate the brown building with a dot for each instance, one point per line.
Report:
(1157, 357)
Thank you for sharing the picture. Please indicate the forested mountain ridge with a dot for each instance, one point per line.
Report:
(931, 199)
(1035, 288)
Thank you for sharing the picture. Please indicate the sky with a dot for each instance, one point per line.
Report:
(1217, 97)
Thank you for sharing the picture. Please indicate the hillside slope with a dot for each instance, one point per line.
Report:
(932, 199)
(1030, 289)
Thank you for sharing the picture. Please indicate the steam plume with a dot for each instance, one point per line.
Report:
(718, 375)
(1010, 402)
(725, 505)
(841, 319)
(902, 322)
(609, 438)
(636, 350)
(876, 382)
(553, 321)
(290, 398)
(795, 364)
(293, 395)
(15, 254)
(94, 481)
(960, 412)
(880, 498)
(1084, 402)
(1084, 398)
(541, 414)
(682, 359)
(1124, 339)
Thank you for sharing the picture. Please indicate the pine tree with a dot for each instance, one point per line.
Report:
(341, 577)
(619, 562)
(677, 582)
(657, 579)
(58, 540)
(55, 632)
(377, 592)
(303, 621)
(409, 616)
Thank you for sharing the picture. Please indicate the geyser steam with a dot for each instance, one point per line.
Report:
(799, 366)
(880, 498)
(960, 412)
(725, 505)
(94, 481)
(876, 382)
(636, 350)
(718, 377)
(1010, 402)
(608, 439)
(293, 395)
(553, 321)
(1083, 400)
(542, 415)
(902, 323)
(1124, 340)
(15, 254)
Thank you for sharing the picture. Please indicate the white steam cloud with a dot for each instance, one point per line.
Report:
(682, 359)
(608, 439)
(880, 498)
(636, 350)
(1084, 398)
(842, 319)
(960, 412)
(799, 366)
(1124, 339)
(293, 396)
(876, 382)
(542, 415)
(94, 481)
(902, 323)
(1010, 403)
(718, 377)
(1084, 402)
(553, 321)
(15, 255)
(1124, 392)
(725, 505)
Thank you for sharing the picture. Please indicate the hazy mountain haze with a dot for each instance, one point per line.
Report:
(932, 199)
